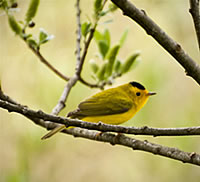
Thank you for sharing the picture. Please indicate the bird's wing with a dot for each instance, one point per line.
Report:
(99, 105)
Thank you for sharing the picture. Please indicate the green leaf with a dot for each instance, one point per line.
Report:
(97, 7)
(106, 37)
(101, 72)
(94, 66)
(32, 43)
(111, 57)
(112, 7)
(123, 38)
(117, 66)
(44, 37)
(32, 9)
(4, 4)
(85, 28)
(98, 36)
(103, 42)
(28, 36)
(129, 62)
(14, 25)
(103, 48)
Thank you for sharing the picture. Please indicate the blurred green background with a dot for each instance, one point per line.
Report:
(24, 157)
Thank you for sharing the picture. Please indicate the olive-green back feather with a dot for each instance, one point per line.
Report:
(108, 102)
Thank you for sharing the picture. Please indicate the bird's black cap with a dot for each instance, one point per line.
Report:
(138, 85)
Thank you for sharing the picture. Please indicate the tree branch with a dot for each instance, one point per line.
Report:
(38, 117)
(43, 60)
(78, 36)
(194, 10)
(136, 144)
(191, 67)
(61, 103)
(90, 84)
(86, 46)
(79, 63)
(12, 106)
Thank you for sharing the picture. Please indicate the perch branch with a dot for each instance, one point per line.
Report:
(38, 117)
(194, 10)
(12, 106)
(191, 67)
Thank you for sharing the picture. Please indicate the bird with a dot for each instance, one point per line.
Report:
(112, 106)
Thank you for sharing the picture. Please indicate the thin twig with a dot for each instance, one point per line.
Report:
(191, 67)
(43, 60)
(61, 103)
(194, 10)
(101, 86)
(78, 36)
(85, 50)
(38, 117)
(87, 43)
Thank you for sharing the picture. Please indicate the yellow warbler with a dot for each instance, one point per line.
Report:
(112, 106)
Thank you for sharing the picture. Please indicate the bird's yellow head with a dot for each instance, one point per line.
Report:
(139, 94)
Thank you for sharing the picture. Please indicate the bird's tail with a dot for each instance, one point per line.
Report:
(54, 131)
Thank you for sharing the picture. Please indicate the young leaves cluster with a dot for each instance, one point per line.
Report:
(112, 66)
(32, 9)
(98, 6)
(19, 27)
(98, 9)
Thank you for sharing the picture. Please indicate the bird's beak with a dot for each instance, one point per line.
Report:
(151, 93)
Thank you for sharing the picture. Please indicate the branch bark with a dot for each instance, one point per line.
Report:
(39, 117)
(12, 106)
(78, 36)
(191, 67)
(136, 144)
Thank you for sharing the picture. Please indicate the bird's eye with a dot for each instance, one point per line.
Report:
(138, 93)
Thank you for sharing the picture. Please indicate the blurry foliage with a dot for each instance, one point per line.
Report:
(21, 29)
(111, 66)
